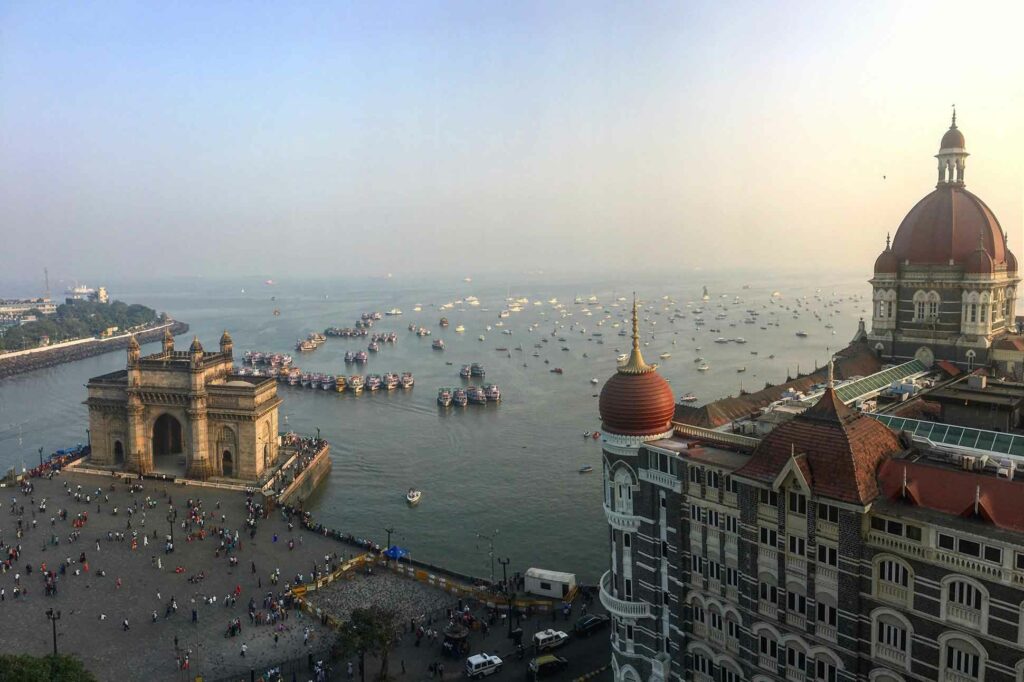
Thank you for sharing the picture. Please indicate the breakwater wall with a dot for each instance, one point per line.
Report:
(16, 363)
(307, 480)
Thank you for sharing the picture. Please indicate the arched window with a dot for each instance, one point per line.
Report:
(796, 660)
(933, 304)
(624, 490)
(891, 637)
(965, 601)
(963, 658)
(767, 646)
(920, 305)
(118, 452)
(894, 581)
(702, 665)
(884, 675)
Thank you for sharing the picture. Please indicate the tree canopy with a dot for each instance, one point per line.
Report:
(369, 631)
(43, 669)
(75, 320)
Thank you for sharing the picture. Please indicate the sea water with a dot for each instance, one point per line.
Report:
(507, 471)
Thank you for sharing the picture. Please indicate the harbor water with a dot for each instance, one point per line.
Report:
(507, 471)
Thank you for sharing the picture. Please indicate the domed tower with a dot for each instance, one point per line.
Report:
(945, 287)
(637, 406)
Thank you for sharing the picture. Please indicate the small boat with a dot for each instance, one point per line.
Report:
(688, 398)
(460, 397)
(586, 434)
(356, 383)
(413, 497)
(595, 435)
(407, 380)
(481, 337)
(665, 356)
(703, 367)
(802, 334)
(557, 370)
(459, 329)
(586, 469)
(594, 380)
(393, 311)
(476, 370)
(465, 372)
(444, 321)
(437, 344)
(741, 369)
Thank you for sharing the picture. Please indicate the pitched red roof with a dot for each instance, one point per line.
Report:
(838, 451)
(952, 491)
(857, 359)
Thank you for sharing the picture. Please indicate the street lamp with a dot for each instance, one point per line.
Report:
(508, 594)
(387, 548)
(40, 458)
(170, 523)
(54, 616)
(490, 550)
(88, 439)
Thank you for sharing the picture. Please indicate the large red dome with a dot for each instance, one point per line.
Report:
(945, 226)
(637, 404)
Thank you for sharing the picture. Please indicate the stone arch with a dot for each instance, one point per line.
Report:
(628, 673)
(623, 481)
(167, 435)
(227, 446)
(961, 642)
(883, 615)
(925, 355)
(118, 452)
(906, 577)
(884, 675)
(266, 445)
(947, 583)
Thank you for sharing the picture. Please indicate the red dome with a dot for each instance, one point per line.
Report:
(979, 263)
(944, 226)
(953, 139)
(887, 263)
(636, 404)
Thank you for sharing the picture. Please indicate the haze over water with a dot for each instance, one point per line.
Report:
(510, 467)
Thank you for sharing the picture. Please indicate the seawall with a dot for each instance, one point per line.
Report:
(307, 480)
(16, 363)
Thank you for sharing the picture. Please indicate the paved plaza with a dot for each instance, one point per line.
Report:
(125, 584)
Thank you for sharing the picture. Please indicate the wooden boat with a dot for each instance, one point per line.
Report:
(413, 497)
(586, 469)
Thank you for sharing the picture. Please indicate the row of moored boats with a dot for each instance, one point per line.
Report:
(477, 395)
(356, 383)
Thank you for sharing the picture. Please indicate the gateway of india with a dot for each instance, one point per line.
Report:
(184, 413)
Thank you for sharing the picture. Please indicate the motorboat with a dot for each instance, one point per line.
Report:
(703, 367)
(594, 381)
(586, 469)
(444, 397)
(465, 372)
(437, 344)
(459, 329)
(665, 356)
(407, 380)
(688, 398)
(413, 497)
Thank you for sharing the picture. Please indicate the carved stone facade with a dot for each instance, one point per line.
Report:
(184, 412)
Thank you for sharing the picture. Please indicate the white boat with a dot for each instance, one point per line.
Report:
(481, 337)
(394, 311)
(621, 357)
(665, 356)
(703, 367)
(413, 497)
(594, 380)
(459, 329)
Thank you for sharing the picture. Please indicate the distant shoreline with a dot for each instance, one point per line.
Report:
(18, 362)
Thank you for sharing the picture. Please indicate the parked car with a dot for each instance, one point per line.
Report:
(544, 666)
(549, 639)
(590, 623)
(482, 665)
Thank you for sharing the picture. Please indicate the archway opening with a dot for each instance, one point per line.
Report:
(166, 436)
(227, 464)
(118, 453)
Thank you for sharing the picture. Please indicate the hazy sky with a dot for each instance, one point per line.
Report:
(464, 137)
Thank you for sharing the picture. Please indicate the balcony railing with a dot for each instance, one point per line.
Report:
(693, 489)
(700, 629)
(621, 521)
(661, 478)
(796, 620)
(795, 675)
(796, 564)
(714, 538)
(892, 592)
(954, 676)
(732, 645)
(714, 586)
(768, 609)
(729, 500)
(768, 557)
(717, 637)
(730, 546)
(827, 576)
(767, 662)
(890, 653)
(827, 530)
(766, 511)
(826, 631)
(621, 607)
(964, 615)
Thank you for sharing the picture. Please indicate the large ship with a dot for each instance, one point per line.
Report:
(460, 398)
(355, 383)
(373, 382)
(361, 357)
(476, 370)
(407, 380)
(444, 397)
(492, 393)
(390, 380)
(438, 344)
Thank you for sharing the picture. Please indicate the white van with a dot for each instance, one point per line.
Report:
(482, 665)
(549, 639)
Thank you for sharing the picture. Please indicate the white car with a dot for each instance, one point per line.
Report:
(481, 665)
(549, 639)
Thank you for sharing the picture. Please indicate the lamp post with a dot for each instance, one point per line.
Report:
(88, 439)
(54, 616)
(389, 530)
(40, 458)
(490, 550)
(508, 593)
(170, 524)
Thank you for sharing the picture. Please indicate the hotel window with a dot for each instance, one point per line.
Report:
(695, 563)
(769, 497)
(964, 594)
(701, 665)
(626, 542)
(712, 518)
(715, 620)
(972, 312)
(732, 577)
(732, 485)
(993, 554)
(714, 570)
(731, 676)
(695, 513)
(797, 546)
(713, 478)
(824, 671)
(628, 584)
(828, 555)
(695, 475)
(881, 308)
(767, 646)
(769, 536)
(730, 524)
(796, 660)
(889, 311)
(891, 634)
(893, 572)
(629, 632)
(984, 311)
(664, 548)
(962, 660)
(1019, 559)
(698, 613)
(828, 512)
(798, 503)
(933, 309)
(769, 593)
(827, 614)
(919, 310)
(732, 628)
(796, 602)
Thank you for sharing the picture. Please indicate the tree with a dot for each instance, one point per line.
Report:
(43, 669)
(372, 630)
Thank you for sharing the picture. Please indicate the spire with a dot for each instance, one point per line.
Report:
(831, 373)
(887, 241)
(953, 124)
(635, 364)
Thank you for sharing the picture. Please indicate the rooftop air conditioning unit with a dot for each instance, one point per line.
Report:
(968, 462)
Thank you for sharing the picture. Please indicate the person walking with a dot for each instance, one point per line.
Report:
(244, 648)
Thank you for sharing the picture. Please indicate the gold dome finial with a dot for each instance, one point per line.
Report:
(635, 364)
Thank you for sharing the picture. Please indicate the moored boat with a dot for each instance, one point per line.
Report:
(460, 397)
(413, 497)
(438, 344)
(444, 397)
(407, 380)
(356, 383)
